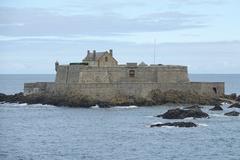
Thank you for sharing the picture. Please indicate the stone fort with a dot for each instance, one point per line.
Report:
(101, 77)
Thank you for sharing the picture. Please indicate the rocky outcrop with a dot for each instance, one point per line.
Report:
(235, 105)
(233, 113)
(175, 124)
(156, 97)
(183, 113)
(217, 107)
(238, 98)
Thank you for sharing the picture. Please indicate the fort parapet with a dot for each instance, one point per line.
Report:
(100, 77)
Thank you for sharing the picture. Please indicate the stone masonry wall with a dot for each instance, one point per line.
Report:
(72, 74)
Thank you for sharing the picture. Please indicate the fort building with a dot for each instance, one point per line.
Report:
(101, 77)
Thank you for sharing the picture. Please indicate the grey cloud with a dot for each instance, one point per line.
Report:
(39, 22)
(202, 57)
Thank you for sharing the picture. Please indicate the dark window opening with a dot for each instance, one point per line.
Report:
(215, 90)
(131, 73)
(106, 59)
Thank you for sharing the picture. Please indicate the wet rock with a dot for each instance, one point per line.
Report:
(238, 98)
(175, 124)
(16, 98)
(233, 113)
(217, 107)
(183, 113)
(235, 105)
(233, 96)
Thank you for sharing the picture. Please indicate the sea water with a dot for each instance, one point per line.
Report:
(45, 132)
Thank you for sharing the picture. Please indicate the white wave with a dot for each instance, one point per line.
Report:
(202, 124)
(189, 118)
(157, 123)
(41, 105)
(14, 104)
(217, 115)
(22, 104)
(126, 107)
(94, 107)
(225, 103)
(169, 127)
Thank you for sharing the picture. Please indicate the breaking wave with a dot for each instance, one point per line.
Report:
(126, 107)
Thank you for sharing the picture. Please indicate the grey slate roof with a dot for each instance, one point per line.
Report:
(90, 56)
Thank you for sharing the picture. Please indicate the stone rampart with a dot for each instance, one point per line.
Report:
(106, 91)
(73, 74)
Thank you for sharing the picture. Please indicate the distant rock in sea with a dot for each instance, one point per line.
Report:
(233, 113)
(217, 107)
(175, 124)
(183, 113)
(235, 105)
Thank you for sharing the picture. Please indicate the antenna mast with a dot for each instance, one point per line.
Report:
(154, 52)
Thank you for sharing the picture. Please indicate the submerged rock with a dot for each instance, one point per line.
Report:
(175, 124)
(233, 113)
(217, 107)
(235, 105)
(182, 113)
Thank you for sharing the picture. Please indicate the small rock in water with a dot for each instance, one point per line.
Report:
(235, 105)
(175, 124)
(217, 107)
(233, 113)
(182, 113)
(233, 96)
(238, 98)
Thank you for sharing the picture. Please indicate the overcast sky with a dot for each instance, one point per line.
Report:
(202, 34)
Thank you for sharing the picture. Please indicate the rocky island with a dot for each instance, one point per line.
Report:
(99, 79)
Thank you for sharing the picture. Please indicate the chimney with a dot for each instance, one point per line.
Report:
(56, 65)
(94, 55)
(111, 52)
(88, 51)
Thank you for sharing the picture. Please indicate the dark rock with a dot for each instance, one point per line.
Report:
(175, 124)
(233, 113)
(238, 98)
(182, 113)
(216, 108)
(233, 96)
(235, 105)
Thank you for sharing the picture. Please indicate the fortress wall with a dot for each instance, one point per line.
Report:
(172, 76)
(209, 88)
(39, 87)
(73, 74)
(62, 74)
(106, 91)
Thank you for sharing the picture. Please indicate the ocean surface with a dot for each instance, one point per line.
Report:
(44, 132)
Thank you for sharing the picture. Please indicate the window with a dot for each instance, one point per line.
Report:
(131, 73)
(106, 59)
(215, 90)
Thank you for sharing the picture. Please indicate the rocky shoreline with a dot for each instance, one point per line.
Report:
(190, 112)
(156, 98)
(193, 111)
